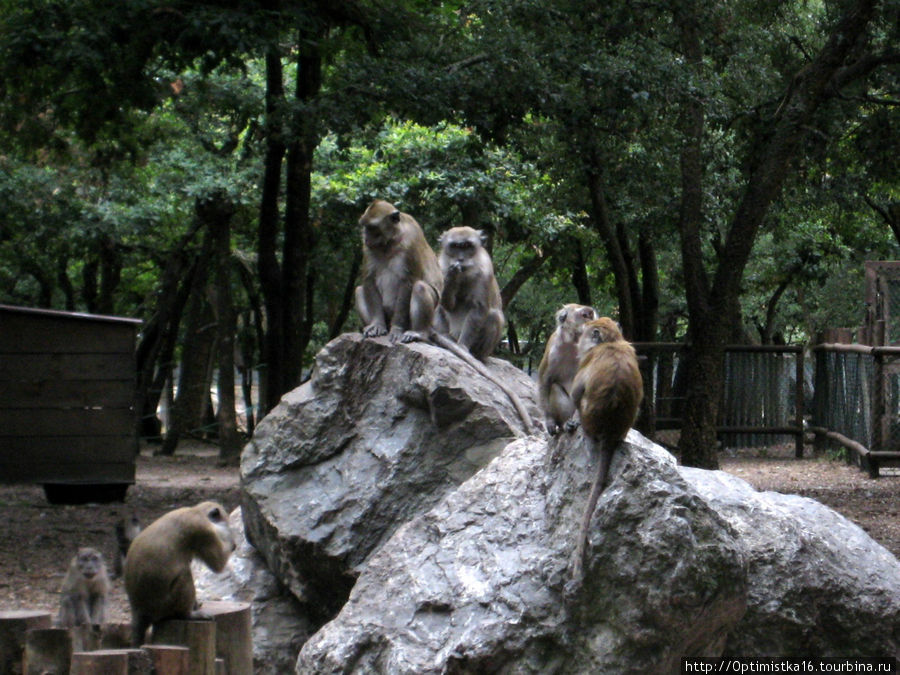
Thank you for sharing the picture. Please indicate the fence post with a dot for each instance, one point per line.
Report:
(800, 400)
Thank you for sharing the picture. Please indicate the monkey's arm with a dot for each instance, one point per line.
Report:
(370, 307)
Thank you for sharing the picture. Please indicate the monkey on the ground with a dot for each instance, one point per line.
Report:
(469, 321)
(607, 392)
(559, 365)
(83, 596)
(158, 577)
(471, 308)
(402, 281)
(127, 528)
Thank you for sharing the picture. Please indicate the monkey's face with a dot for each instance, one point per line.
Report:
(459, 246)
(90, 562)
(380, 225)
(575, 314)
(219, 521)
(597, 332)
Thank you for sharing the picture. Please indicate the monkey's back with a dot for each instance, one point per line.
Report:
(157, 569)
(613, 389)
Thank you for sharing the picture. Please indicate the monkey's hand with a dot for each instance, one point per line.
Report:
(571, 425)
(374, 329)
(455, 268)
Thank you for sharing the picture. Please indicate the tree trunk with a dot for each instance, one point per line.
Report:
(579, 275)
(614, 253)
(711, 313)
(193, 383)
(216, 211)
(267, 237)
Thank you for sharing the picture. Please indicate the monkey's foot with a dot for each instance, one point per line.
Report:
(551, 427)
(374, 330)
(571, 425)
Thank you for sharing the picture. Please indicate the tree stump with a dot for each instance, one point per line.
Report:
(14, 624)
(47, 650)
(234, 639)
(105, 662)
(169, 659)
(199, 636)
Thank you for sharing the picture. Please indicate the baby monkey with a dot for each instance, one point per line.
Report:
(607, 392)
(84, 591)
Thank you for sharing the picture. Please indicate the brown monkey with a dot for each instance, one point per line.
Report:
(469, 321)
(127, 528)
(402, 281)
(607, 392)
(158, 577)
(84, 592)
(471, 308)
(558, 367)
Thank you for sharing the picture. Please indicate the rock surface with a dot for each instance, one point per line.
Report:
(279, 623)
(477, 583)
(418, 531)
(818, 583)
(379, 434)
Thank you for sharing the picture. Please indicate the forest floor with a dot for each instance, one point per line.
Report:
(38, 539)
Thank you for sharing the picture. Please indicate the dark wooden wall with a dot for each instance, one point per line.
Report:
(67, 386)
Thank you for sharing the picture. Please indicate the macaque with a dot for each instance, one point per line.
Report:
(127, 528)
(158, 577)
(83, 596)
(558, 367)
(402, 281)
(607, 392)
(471, 308)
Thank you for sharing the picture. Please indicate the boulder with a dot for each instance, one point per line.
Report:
(377, 436)
(279, 623)
(418, 530)
(478, 583)
(818, 584)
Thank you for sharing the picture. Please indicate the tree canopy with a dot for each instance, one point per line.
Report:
(715, 173)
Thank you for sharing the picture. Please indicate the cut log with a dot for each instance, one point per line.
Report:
(47, 650)
(104, 662)
(14, 624)
(234, 639)
(169, 659)
(199, 636)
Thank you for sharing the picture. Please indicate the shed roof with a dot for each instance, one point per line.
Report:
(55, 313)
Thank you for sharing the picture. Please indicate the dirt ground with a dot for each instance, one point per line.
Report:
(38, 539)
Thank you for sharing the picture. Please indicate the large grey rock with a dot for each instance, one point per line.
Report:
(477, 583)
(818, 583)
(379, 434)
(279, 624)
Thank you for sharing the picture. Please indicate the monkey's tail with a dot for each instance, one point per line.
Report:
(451, 346)
(606, 451)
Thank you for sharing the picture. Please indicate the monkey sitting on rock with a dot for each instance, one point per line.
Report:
(158, 577)
(607, 392)
(83, 596)
(559, 365)
(402, 282)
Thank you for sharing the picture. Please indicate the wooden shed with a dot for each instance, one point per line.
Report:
(67, 414)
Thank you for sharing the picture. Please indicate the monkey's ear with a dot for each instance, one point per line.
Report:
(483, 236)
(561, 317)
(215, 515)
(395, 217)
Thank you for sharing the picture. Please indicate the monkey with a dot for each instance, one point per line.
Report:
(558, 367)
(402, 281)
(470, 310)
(607, 392)
(469, 320)
(158, 578)
(127, 528)
(84, 592)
